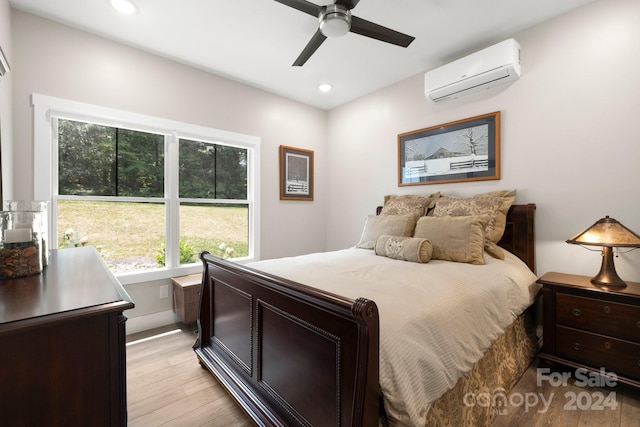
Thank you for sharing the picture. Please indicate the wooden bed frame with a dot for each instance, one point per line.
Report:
(290, 354)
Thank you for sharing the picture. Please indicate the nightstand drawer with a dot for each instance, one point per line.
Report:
(599, 316)
(618, 356)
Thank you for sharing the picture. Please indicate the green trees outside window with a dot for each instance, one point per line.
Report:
(112, 194)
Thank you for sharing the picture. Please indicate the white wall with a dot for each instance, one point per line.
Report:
(569, 139)
(6, 122)
(56, 60)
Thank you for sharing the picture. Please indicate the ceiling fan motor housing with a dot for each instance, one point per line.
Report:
(335, 21)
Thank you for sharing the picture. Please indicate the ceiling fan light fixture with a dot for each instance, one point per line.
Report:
(335, 21)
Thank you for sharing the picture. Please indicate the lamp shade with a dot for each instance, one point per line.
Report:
(607, 232)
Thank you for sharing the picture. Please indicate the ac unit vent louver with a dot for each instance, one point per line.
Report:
(487, 68)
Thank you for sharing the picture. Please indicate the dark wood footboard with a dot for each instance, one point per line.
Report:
(289, 354)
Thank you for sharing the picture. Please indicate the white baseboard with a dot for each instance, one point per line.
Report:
(150, 321)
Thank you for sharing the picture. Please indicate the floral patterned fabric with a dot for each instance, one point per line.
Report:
(409, 203)
(495, 204)
(475, 206)
(499, 370)
(404, 248)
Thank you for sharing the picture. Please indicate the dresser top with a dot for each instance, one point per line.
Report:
(74, 279)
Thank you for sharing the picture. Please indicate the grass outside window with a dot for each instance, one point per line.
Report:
(130, 236)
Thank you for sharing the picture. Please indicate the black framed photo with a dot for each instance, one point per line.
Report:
(296, 173)
(464, 150)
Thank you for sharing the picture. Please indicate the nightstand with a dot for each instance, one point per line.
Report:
(586, 326)
(186, 297)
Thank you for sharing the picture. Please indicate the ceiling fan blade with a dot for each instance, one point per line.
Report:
(303, 6)
(349, 4)
(313, 45)
(378, 32)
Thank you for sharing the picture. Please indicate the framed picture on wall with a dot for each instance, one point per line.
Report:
(465, 150)
(4, 65)
(296, 173)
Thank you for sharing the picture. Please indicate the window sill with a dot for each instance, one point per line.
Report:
(129, 278)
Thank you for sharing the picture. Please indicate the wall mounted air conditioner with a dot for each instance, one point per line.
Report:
(481, 70)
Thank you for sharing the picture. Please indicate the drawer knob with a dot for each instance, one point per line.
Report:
(576, 312)
(577, 346)
(607, 345)
(606, 309)
(638, 323)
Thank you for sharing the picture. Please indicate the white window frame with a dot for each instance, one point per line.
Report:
(46, 174)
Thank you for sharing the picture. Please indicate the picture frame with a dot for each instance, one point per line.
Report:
(296, 173)
(4, 64)
(460, 151)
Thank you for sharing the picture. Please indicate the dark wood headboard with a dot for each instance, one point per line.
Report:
(519, 236)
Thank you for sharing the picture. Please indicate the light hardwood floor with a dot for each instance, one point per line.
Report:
(166, 386)
(581, 403)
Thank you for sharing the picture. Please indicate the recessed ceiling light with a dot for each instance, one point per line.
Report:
(324, 87)
(124, 6)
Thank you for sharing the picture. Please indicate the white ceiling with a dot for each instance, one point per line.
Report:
(256, 41)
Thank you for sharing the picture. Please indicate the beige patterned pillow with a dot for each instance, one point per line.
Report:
(409, 203)
(454, 238)
(495, 204)
(507, 197)
(378, 225)
(404, 248)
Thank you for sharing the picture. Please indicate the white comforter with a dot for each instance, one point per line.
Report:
(436, 319)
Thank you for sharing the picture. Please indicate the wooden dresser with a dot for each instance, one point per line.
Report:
(62, 344)
(586, 326)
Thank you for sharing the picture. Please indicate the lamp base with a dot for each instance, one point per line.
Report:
(607, 275)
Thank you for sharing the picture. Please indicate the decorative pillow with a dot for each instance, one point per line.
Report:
(409, 203)
(495, 204)
(454, 238)
(507, 197)
(404, 248)
(393, 225)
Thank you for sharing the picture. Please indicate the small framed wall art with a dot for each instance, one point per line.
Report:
(4, 65)
(296, 173)
(465, 150)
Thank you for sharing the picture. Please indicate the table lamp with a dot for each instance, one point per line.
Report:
(608, 233)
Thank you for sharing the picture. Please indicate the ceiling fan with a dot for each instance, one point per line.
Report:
(336, 20)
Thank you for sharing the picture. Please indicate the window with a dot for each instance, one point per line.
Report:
(149, 193)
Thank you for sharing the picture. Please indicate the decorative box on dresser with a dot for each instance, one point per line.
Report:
(62, 344)
(591, 327)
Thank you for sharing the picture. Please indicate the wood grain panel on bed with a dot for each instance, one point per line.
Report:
(289, 354)
(233, 324)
